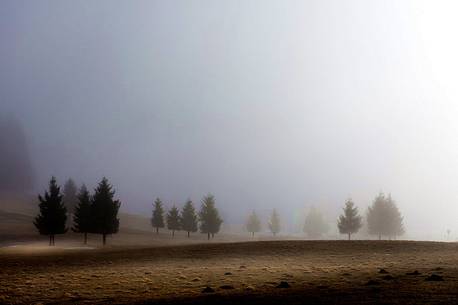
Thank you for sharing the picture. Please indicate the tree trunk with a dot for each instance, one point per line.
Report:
(85, 238)
(349, 236)
(50, 240)
(208, 235)
(104, 239)
(157, 230)
(213, 235)
(173, 233)
(252, 234)
(188, 234)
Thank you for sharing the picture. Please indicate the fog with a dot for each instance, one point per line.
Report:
(265, 104)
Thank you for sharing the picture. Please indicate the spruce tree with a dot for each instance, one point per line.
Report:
(105, 210)
(350, 222)
(253, 224)
(395, 226)
(189, 218)
(70, 195)
(376, 216)
(82, 218)
(157, 221)
(274, 223)
(210, 222)
(173, 220)
(315, 226)
(384, 218)
(53, 215)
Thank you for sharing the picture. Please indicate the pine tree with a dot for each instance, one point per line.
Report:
(173, 220)
(53, 214)
(253, 224)
(82, 218)
(350, 222)
(315, 226)
(210, 222)
(104, 210)
(376, 216)
(70, 195)
(384, 218)
(274, 223)
(395, 226)
(157, 221)
(189, 218)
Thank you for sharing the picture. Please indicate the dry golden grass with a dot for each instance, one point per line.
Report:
(248, 272)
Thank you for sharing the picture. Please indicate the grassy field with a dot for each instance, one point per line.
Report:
(313, 272)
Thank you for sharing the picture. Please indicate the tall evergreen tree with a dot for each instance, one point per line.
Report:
(173, 220)
(157, 221)
(384, 218)
(189, 217)
(274, 223)
(82, 218)
(210, 221)
(315, 226)
(70, 195)
(395, 225)
(253, 224)
(350, 222)
(376, 216)
(53, 214)
(105, 210)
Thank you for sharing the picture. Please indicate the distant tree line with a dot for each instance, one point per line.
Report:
(188, 220)
(383, 220)
(97, 213)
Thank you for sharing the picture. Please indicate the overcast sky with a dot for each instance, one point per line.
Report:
(265, 104)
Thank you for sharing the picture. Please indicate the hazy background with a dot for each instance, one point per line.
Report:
(265, 104)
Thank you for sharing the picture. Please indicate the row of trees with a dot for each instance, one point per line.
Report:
(383, 219)
(97, 213)
(207, 220)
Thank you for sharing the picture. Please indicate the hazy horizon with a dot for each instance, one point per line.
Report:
(264, 104)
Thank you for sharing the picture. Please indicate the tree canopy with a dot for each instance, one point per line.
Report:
(52, 217)
(384, 218)
(157, 221)
(173, 220)
(210, 221)
(253, 224)
(105, 210)
(314, 225)
(350, 222)
(82, 218)
(189, 217)
(70, 195)
(274, 223)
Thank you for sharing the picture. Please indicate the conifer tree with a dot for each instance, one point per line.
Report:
(70, 195)
(105, 210)
(394, 224)
(253, 224)
(384, 218)
(315, 226)
(82, 218)
(53, 215)
(350, 222)
(189, 218)
(376, 216)
(173, 220)
(157, 221)
(274, 223)
(210, 222)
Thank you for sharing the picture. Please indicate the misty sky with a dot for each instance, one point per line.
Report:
(263, 103)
